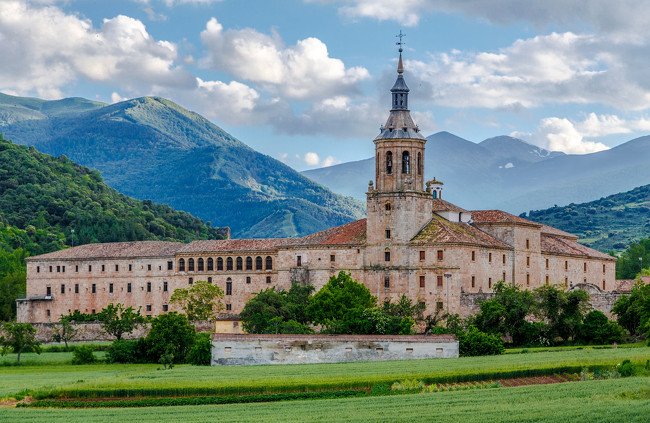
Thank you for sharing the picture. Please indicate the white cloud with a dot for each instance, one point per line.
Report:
(330, 161)
(116, 98)
(304, 70)
(406, 12)
(601, 125)
(311, 159)
(560, 134)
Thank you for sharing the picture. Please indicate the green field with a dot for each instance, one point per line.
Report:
(614, 400)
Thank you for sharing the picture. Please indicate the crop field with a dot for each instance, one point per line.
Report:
(613, 400)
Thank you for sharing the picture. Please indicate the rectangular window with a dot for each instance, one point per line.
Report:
(48, 291)
(490, 283)
(422, 255)
(439, 280)
(603, 268)
(165, 286)
(490, 257)
(128, 287)
(209, 279)
(148, 307)
(268, 279)
(527, 279)
(228, 288)
(76, 288)
(566, 265)
(149, 267)
(190, 281)
(170, 265)
(604, 285)
(299, 261)
(547, 263)
(440, 255)
(110, 288)
(58, 269)
(130, 267)
(387, 233)
(38, 269)
(386, 281)
(228, 307)
(504, 259)
(48, 312)
(93, 288)
(473, 255)
(473, 281)
(386, 255)
(63, 269)
(62, 288)
(566, 282)
(76, 268)
(585, 267)
(248, 279)
(504, 276)
(528, 261)
(546, 279)
(439, 305)
(165, 307)
(148, 286)
(422, 281)
(527, 244)
(332, 258)
(103, 267)
(50, 269)
(117, 267)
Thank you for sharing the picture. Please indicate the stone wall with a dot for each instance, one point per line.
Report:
(307, 349)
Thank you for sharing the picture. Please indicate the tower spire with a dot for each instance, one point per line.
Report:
(400, 43)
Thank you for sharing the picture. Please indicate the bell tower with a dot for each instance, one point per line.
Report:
(398, 205)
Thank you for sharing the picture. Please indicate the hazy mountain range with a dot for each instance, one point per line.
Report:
(509, 174)
(151, 148)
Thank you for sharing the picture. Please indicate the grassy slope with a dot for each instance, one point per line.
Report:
(104, 376)
(614, 400)
(611, 223)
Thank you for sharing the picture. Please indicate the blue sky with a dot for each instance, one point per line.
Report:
(306, 81)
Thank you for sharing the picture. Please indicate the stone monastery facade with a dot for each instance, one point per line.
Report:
(412, 242)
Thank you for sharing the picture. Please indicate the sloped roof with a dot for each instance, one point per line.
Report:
(441, 205)
(236, 245)
(558, 245)
(114, 250)
(557, 232)
(500, 217)
(353, 233)
(441, 231)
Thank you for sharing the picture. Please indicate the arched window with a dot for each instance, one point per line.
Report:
(269, 263)
(389, 162)
(219, 263)
(435, 194)
(210, 264)
(258, 263)
(201, 265)
(249, 263)
(406, 162)
(240, 263)
(181, 265)
(388, 207)
(190, 265)
(229, 263)
(228, 286)
(419, 163)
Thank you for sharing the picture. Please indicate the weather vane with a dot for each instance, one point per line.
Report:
(400, 43)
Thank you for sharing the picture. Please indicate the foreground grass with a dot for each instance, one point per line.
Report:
(614, 400)
(105, 377)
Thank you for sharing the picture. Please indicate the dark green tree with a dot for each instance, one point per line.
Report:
(278, 311)
(563, 311)
(596, 328)
(19, 337)
(200, 302)
(635, 258)
(116, 320)
(171, 333)
(633, 311)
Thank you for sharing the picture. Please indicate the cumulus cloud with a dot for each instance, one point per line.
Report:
(312, 159)
(304, 70)
(595, 125)
(560, 134)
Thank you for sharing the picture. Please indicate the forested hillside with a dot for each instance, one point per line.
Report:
(611, 223)
(43, 199)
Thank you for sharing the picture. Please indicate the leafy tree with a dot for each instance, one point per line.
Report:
(473, 342)
(83, 354)
(598, 329)
(505, 313)
(340, 304)
(202, 301)
(562, 311)
(633, 311)
(19, 337)
(633, 260)
(65, 331)
(171, 333)
(117, 320)
(201, 352)
(278, 311)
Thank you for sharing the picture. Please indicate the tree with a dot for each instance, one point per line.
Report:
(65, 331)
(340, 305)
(473, 342)
(633, 311)
(278, 311)
(598, 329)
(202, 301)
(117, 320)
(633, 260)
(171, 333)
(19, 337)
(562, 311)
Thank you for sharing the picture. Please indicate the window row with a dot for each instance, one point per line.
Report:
(116, 268)
(110, 287)
(239, 263)
(406, 162)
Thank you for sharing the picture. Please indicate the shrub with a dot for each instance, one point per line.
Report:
(201, 352)
(626, 368)
(473, 342)
(170, 333)
(83, 355)
(597, 329)
(127, 351)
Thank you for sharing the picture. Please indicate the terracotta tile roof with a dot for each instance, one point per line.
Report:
(558, 245)
(442, 205)
(441, 231)
(236, 245)
(557, 232)
(114, 250)
(353, 233)
(499, 217)
(625, 285)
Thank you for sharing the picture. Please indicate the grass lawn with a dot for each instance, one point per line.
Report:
(613, 400)
(148, 377)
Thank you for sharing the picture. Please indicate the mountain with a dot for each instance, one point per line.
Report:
(47, 203)
(510, 174)
(151, 148)
(610, 223)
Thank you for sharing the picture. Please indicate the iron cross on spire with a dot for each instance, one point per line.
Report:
(400, 43)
